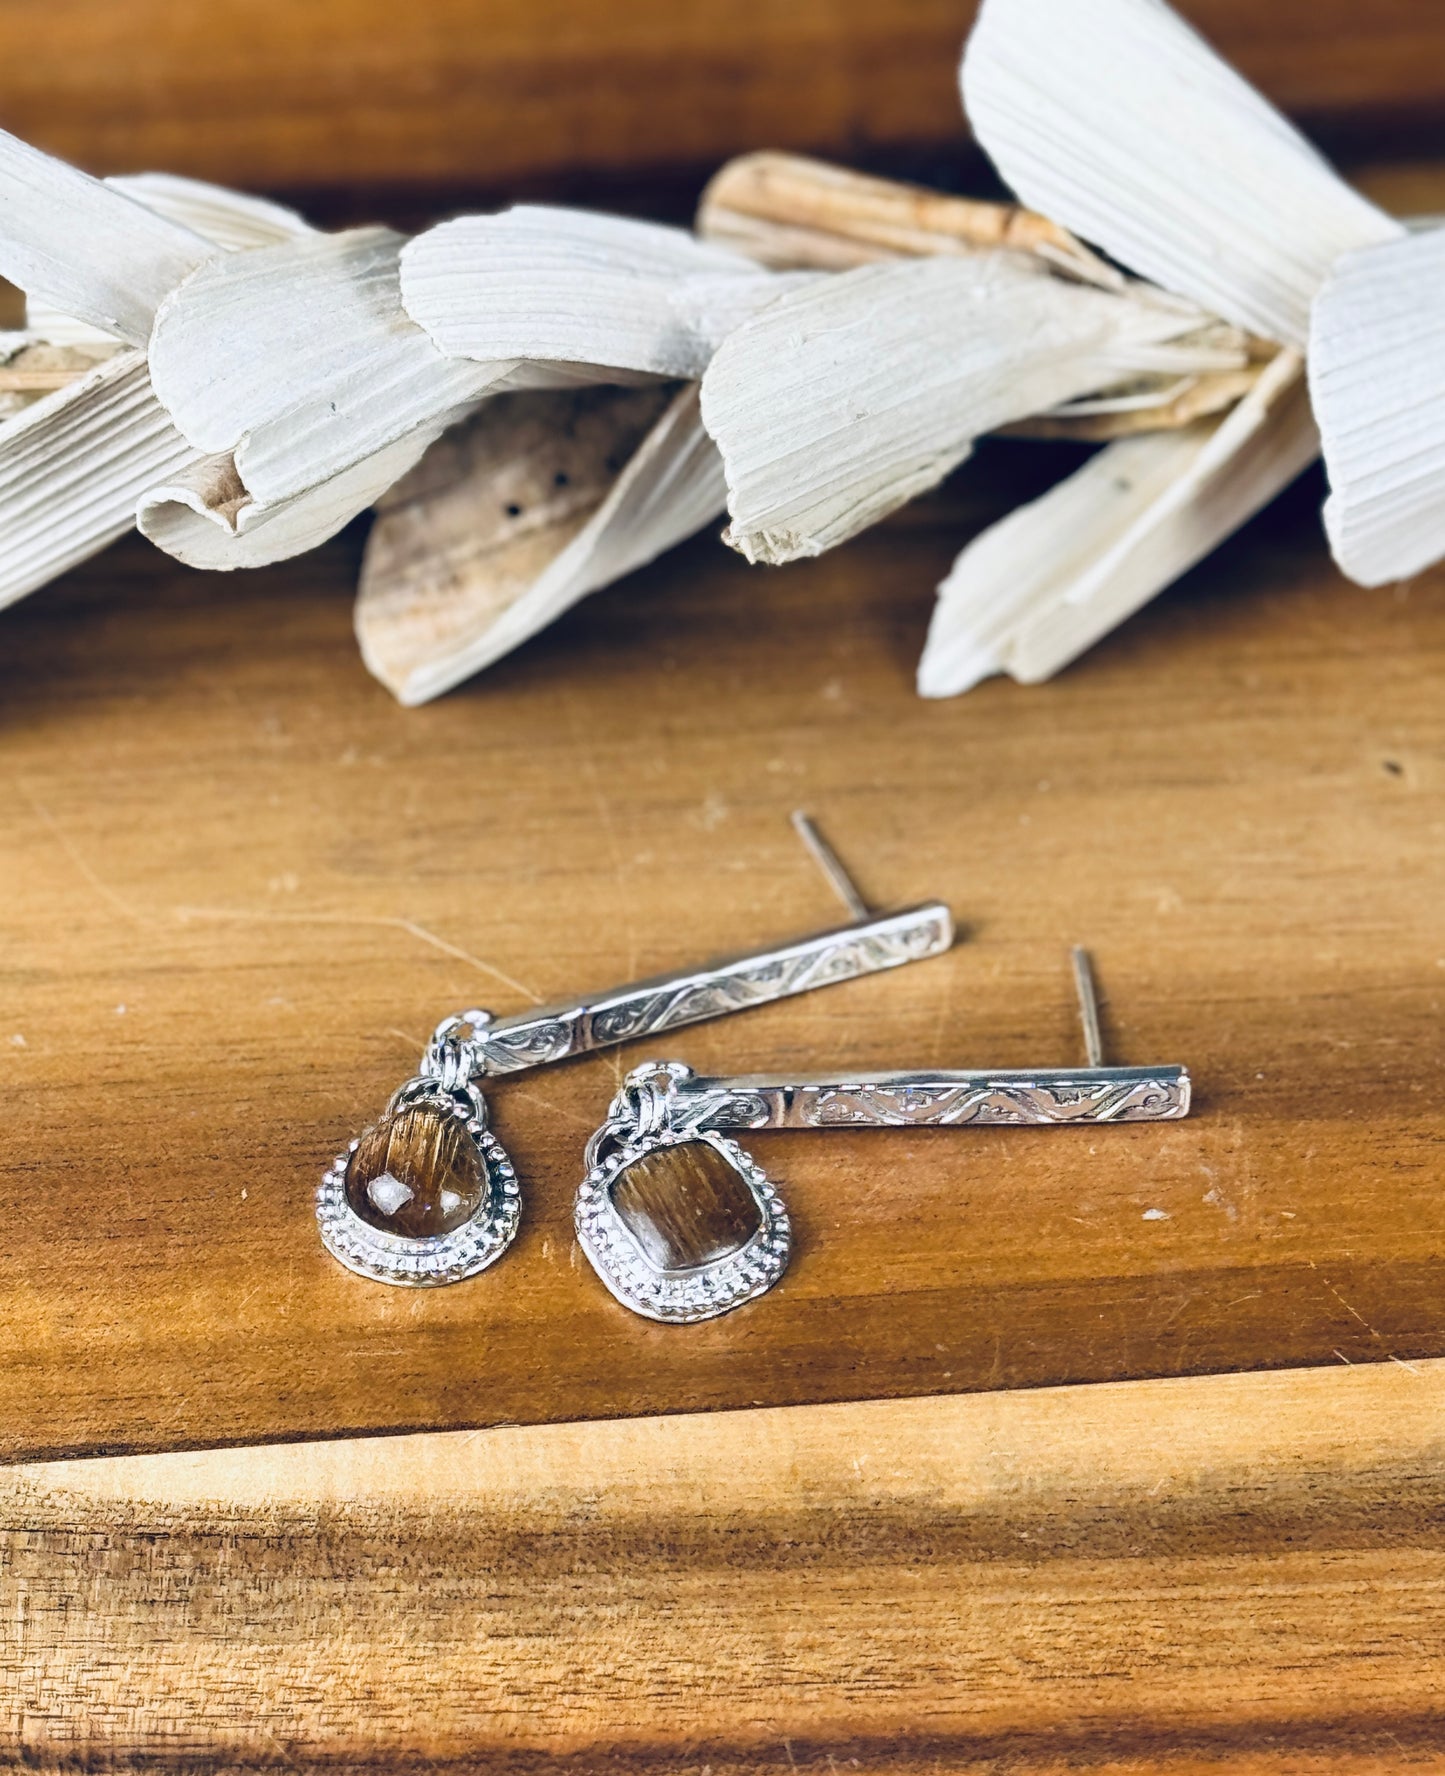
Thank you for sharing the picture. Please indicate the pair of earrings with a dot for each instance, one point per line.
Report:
(678, 1220)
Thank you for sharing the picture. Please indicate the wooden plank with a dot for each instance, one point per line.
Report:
(242, 885)
(1230, 1574)
(341, 93)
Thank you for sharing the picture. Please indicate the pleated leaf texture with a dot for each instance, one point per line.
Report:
(600, 294)
(1116, 119)
(843, 400)
(1377, 375)
(76, 464)
(1035, 590)
(243, 385)
(86, 249)
(279, 386)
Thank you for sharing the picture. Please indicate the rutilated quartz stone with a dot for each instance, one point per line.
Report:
(686, 1205)
(418, 1172)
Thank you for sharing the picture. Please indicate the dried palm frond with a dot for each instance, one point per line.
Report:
(73, 467)
(516, 515)
(594, 298)
(1035, 590)
(1377, 376)
(840, 402)
(212, 368)
(77, 460)
(1115, 118)
(239, 362)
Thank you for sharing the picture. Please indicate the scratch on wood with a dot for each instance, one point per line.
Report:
(76, 856)
(535, 1097)
(392, 922)
(588, 767)
(1345, 1304)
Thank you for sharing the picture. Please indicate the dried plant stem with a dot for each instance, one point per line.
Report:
(39, 382)
(791, 212)
(1202, 396)
(788, 211)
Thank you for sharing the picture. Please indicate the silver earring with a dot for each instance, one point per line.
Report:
(682, 1224)
(427, 1195)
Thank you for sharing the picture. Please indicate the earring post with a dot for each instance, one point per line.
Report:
(830, 864)
(1088, 1006)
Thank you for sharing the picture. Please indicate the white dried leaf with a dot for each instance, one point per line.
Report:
(299, 360)
(513, 518)
(1037, 589)
(230, 220)
(1116, 119)
(1377, 375)
(567, 287)
(205, 516)
(845, 399)
(82, 248)
(71, 479)
(56, 328)
(73, 466)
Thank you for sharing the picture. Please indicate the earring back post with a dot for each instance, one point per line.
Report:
(1088, 1006)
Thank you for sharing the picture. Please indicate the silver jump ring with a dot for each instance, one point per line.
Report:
(451, 1058)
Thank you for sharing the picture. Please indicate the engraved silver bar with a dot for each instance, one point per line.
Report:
(668, 1001)
(1051, 1096)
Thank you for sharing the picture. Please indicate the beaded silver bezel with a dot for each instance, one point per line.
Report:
(680, 1297)
(423, 1263)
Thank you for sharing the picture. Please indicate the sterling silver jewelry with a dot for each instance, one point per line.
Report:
(682, 1224)
(427, 1195)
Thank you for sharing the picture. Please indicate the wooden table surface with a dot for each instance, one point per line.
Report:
(242, 885)
(1224, 1576)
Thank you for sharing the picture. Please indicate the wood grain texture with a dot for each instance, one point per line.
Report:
(1224, 1574)
(241, 885)
(477, 94)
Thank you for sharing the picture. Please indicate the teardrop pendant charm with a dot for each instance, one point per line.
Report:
(426, 1195)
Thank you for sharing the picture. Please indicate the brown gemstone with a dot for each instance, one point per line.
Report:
(418, 1172)
(686, 1205)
